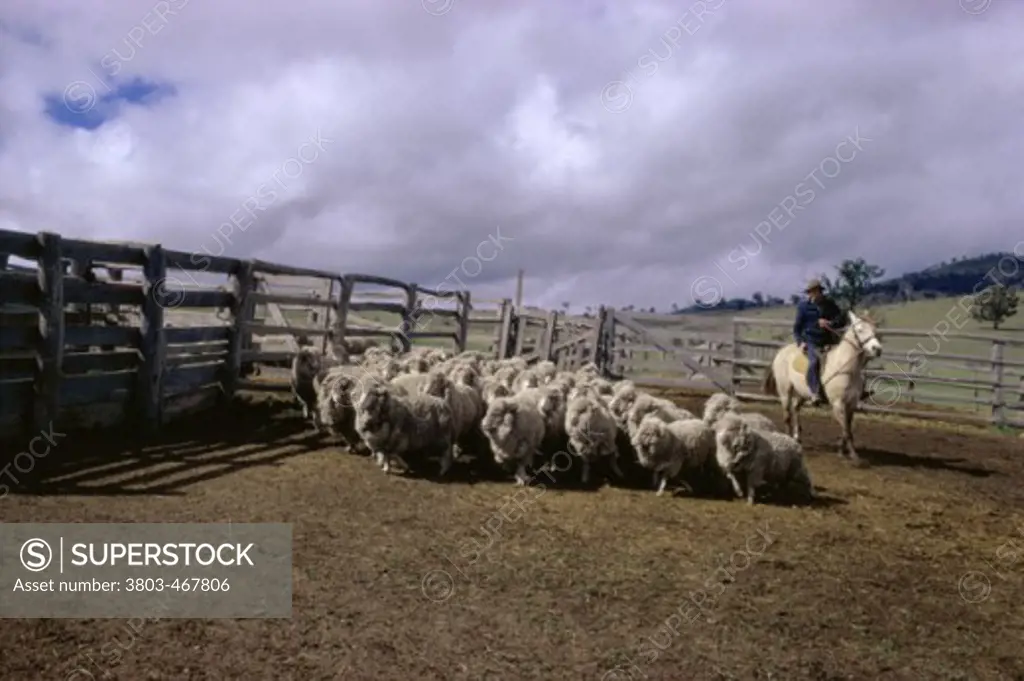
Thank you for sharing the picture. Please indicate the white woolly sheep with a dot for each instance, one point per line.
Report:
(645, 404)
(668, 449)
(766, 458)
(335, 390)
(720, 404)
(591, 430)
(466, 405)
(400, 427)
(546, 371)
(515, 429)
(306, 366)
(622, 401)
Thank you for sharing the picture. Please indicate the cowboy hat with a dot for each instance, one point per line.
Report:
(813, 285)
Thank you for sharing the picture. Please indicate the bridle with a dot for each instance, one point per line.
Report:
(858, 345)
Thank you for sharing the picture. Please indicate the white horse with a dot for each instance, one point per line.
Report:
(842, 379)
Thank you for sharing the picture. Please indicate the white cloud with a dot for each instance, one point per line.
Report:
(443, 128)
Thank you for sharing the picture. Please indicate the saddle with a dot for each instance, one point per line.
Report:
(800, 363)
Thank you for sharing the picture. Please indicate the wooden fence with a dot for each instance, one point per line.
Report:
(960, 377)
(151, 341)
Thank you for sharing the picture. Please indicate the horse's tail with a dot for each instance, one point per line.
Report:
(768, 384)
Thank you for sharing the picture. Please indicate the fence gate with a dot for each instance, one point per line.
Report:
(627, 329)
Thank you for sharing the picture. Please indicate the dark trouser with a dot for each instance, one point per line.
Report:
(813, 368)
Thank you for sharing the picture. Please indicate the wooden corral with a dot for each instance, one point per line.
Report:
(99, 333)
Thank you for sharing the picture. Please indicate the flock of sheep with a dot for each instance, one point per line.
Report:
(432, 406)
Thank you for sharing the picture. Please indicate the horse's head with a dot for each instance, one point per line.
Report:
(862, 331)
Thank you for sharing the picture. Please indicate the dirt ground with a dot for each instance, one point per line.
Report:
(867, 584)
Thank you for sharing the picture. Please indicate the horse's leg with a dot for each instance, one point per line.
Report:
(795, 404)
(787, 410)
(844, 416)
(851, 452)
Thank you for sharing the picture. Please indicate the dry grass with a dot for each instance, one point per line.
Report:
(861, 586)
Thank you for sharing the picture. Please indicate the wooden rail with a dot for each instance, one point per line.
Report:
(716, 353)
(165, 354)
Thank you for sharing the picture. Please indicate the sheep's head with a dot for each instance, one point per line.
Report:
(622, 403)
(374, 406)
(734, 434)
(306, 364)
(551, 405)
(528, 379)
(500, 419)
(495, 391)
(589, 369)
(466, 375)
(437, 384)
(390, 369)
(341, 390)
(649, 432)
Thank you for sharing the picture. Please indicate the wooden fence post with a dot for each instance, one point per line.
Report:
(328, 336)
(505, 329)
(51, 331)
(153, 348)
(241, 313)
(465, 305)
(81, 312)
(408, 319)
(998, 403)
(521, 326)
(595, 339)
(341, 313)
(548, 338)
(734, 374)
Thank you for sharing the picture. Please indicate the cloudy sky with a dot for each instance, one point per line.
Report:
(640, 152)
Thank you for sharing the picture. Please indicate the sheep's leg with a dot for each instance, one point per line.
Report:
(521, 477)
(657, 479)
(735, 484)
(586, 472)
(447, 460)
(615, 467)
(754, 480)
(662, 485)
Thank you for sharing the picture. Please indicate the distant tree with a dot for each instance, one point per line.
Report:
(588, 311)
(758, 299)
(652, 310)
(675, 307)
(995, 304)
(794, 299)
(853, 279)
(565, 305)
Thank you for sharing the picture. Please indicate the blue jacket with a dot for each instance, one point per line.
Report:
(806, 329)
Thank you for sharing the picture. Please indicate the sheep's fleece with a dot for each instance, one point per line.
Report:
(403, 408)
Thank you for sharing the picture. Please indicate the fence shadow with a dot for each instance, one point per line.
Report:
(199, 448)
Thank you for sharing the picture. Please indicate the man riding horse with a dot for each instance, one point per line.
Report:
(816, 328)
